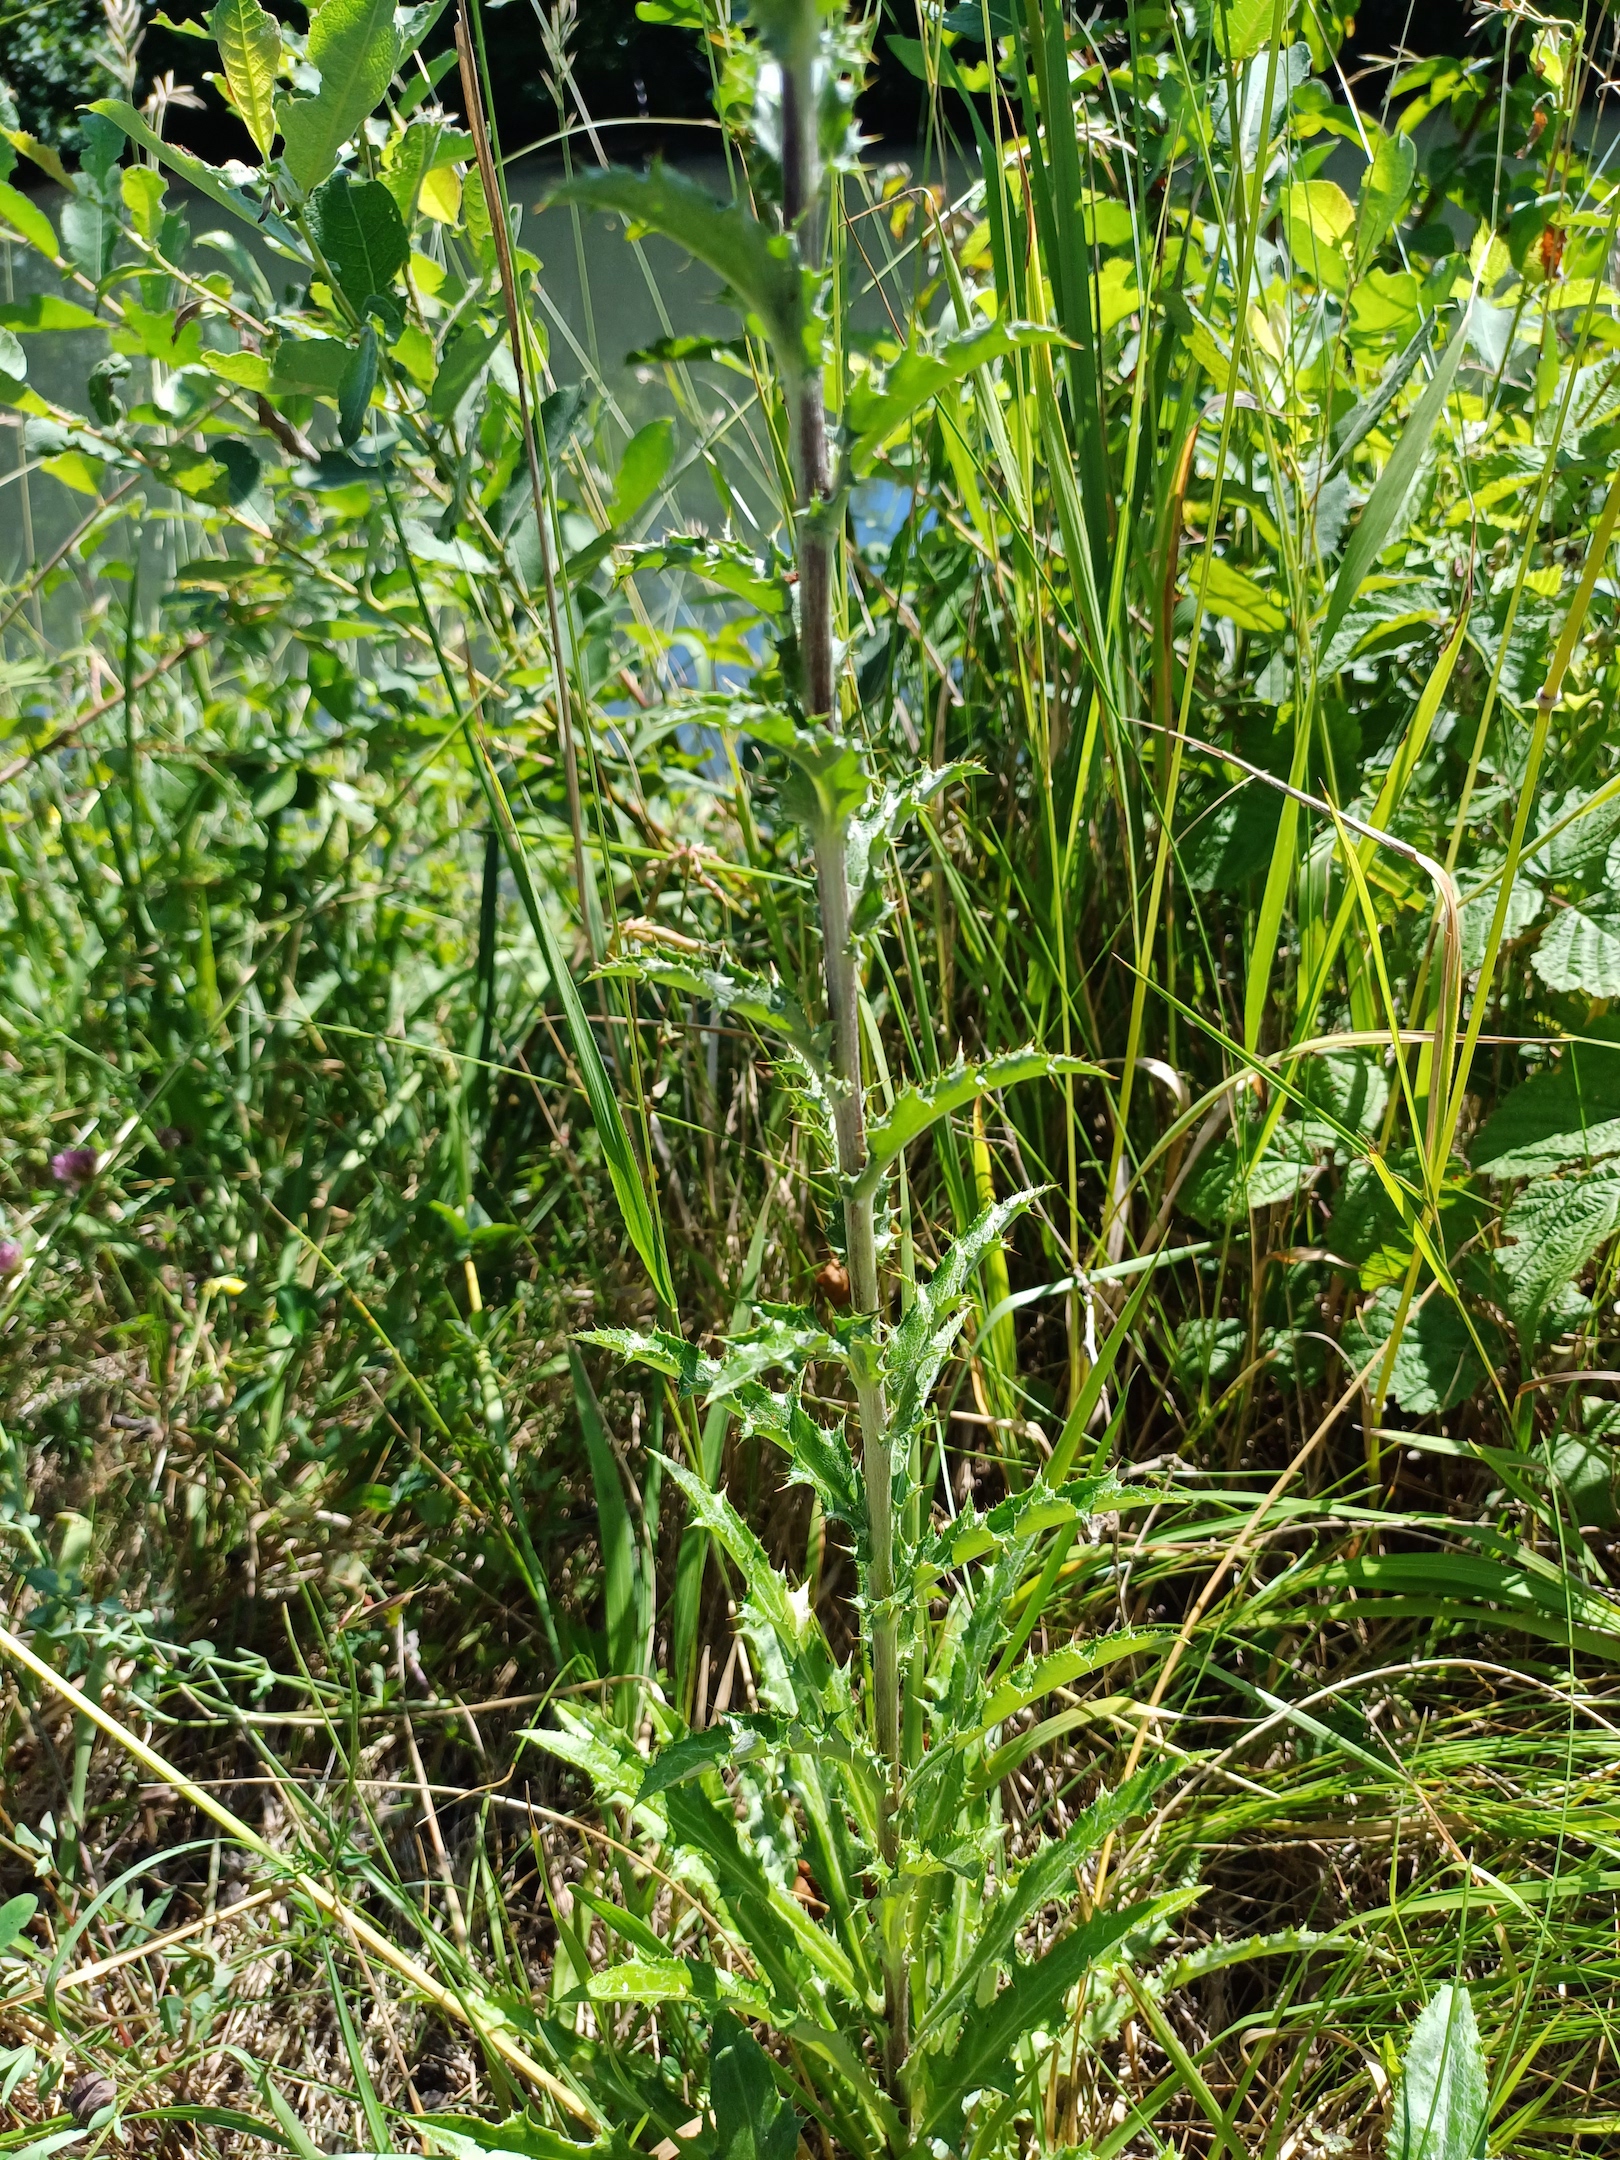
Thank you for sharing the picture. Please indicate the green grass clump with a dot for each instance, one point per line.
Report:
(807, 1249)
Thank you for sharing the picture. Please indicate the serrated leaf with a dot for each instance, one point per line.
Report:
(1227, 1185)
(355, 46)
(776, 1608)
(1564, 1115)
(875, 411)
(874, 825)
(1045, 1878)
(916, 1352)
(986, 2057)
(758, 268)
(1548, 1235)
(1442, 2106)
(1021, 1516)
(359, 230)
(249, 42)
(917, 1108)
(1436, 1364)
(756, 998)
(663, 1352)
(1581, 949)
(831, 775)
(720, 562)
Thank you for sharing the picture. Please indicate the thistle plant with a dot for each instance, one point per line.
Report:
(883, 1774)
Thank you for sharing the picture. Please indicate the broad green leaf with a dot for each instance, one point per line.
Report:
(249, 42)
(47, 311)
(355, 46)
(1581, 949)
(311, 364)
(520, 2137)
(752, 2121)
(359, 230)
(1385, 187)
(875, 411)
(1317, 218)
(1436, 1364)
(916, 1109)
(13, 360)
(89, 234)
(1394, 484)
(1227, 1184)
(466, 355)
(28, 220)
(15, 1915)
(1548, 1235)
(758, 268)
(1565, 1115)
(354, 391)
(649, 1979)
(647, 458)
(42, 155)
(1229, 593)
(830, 780)
(143, 188)
(1442, 2106)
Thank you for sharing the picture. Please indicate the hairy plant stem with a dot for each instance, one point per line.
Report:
(816, 543)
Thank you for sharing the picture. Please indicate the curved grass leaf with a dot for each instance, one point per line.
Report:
(1388, 499)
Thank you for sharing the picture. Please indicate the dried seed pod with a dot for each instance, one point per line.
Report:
(90, 2092)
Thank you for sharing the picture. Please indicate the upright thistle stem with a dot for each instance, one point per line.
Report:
(816, 542)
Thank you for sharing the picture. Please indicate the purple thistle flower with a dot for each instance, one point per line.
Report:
(75, 1165)
(11, 1257)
